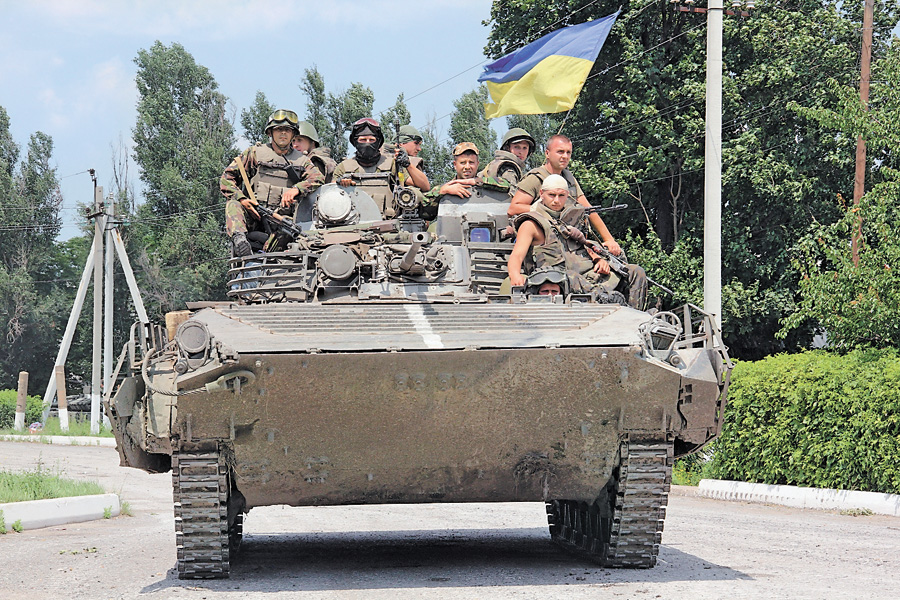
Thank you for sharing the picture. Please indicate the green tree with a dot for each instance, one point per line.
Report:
(396, 115)
(437, 157)
(313, 87)
(254, 119)
(468, 124)
(638, 132)
(183, 140)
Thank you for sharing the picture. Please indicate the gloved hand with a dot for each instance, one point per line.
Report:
(402, 158)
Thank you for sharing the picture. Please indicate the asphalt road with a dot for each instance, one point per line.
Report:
(711, 549)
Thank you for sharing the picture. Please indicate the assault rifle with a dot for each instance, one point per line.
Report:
(284, 225)
(594, 210)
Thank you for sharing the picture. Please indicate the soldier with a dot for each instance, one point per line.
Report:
(307, 142)
(558, 154)
(366, 137)
(509, 160)
(550, 232)
(279, 175)
(465, 163)
(410, 142)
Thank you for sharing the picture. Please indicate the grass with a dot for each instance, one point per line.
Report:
(76, 428)
(40, 484)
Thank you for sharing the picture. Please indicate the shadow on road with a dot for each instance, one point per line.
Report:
(430, 559)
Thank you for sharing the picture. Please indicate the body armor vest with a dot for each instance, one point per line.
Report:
(505, 165)
(561, 252)
(381, 190)
(271, 178)
(321, 159)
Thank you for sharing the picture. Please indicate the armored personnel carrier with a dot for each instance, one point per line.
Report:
(373, 362)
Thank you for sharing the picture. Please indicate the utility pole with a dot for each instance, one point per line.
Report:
(99, 226)
(712, 204)
(859, 181)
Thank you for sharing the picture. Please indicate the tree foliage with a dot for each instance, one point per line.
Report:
(183, 140)
(468, 124)
(396, 116)
(638, 130)
(254, 119)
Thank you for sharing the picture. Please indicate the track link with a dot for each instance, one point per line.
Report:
(623, 527)
(200, 492)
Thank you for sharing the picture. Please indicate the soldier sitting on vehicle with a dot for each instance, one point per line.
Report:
(509, 160)
(307, 142)
(551, 234)
(410, 142)
(465, 163)
(278, 174)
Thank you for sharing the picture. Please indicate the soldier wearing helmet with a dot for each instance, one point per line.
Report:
(279, 175)
(509, 160)
(367, 138)
(307, 142)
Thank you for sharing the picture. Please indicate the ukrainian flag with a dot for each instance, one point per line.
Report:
(547, 75)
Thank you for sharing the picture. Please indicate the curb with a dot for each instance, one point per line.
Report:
(800, 497)
(36, 514)
(62, 440)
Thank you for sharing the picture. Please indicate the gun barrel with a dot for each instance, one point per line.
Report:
(409, 259)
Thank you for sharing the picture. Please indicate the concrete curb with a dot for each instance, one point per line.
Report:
(64, 440)
(801, 497)
(60, 511)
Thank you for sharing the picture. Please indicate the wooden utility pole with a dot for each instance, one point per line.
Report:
(859, 182)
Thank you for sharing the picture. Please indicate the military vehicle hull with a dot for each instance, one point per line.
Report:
(374, 362)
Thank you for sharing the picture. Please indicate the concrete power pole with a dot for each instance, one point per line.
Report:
(859, 181)
(712, 220)
(99, 226)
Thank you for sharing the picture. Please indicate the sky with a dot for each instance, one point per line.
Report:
(73, 71)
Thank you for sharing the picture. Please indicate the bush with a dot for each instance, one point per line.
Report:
(33, 409)
(814, 419)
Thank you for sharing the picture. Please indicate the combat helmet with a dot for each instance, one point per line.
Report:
(306, 129)
(282, 118)
(547, 275)
(366, 126)
(517, 134)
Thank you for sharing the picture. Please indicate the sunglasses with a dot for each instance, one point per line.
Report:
(285, 115)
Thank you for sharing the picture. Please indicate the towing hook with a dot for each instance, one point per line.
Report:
(232, 381)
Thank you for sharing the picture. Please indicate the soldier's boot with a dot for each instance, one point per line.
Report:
(240, 245)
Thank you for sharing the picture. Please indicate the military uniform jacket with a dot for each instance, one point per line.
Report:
(531, 183)
(381, 190)
(505, 165)
(268, 175)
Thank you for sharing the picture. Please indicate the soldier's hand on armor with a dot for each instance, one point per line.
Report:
(401, 158)
(601, 266)
(456, 188)
(346, 181)
(517, 279)
(613, 248)
(248, 205)
(288, 197)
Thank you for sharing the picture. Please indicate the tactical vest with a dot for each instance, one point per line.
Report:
(505, 165)
(381, 190)
(271, 178)
(561, 252)
(321, 159)
(542, 173)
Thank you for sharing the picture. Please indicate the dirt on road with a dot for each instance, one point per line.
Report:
(711, 549)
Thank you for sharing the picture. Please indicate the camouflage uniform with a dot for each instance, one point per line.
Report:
(531, 183)
(268, 178)
(561, 252)
(507, 166)
(434, 196)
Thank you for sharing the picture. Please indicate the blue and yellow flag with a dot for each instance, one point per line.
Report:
(546, 75)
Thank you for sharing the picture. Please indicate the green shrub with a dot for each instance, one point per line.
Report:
(814, 419)
(34, 407)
